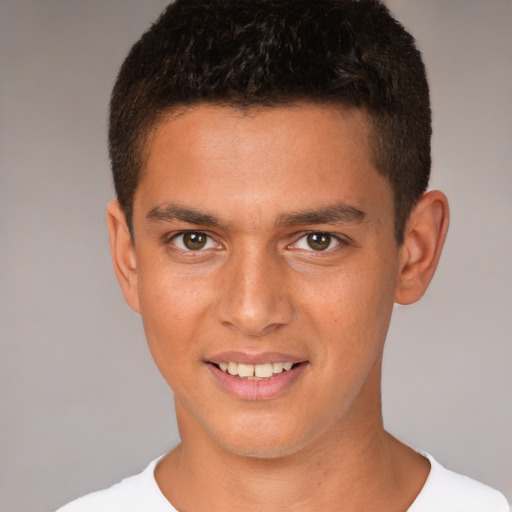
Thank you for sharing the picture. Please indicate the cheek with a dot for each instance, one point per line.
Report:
(353, 312)
(171, 308)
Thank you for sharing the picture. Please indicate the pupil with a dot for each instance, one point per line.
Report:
(194, 241)
(319, 241)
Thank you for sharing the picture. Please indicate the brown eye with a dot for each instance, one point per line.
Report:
(194, 240)
(319, 241)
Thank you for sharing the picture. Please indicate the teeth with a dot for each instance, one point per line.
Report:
(233, 368)
(245, 370)
(254, 372)
(263, 370)
(277, 367)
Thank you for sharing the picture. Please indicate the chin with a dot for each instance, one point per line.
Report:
(262, 442)
(260, 450)
(258, 434)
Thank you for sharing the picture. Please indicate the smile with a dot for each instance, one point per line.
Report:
(255, 371)
(261, 377)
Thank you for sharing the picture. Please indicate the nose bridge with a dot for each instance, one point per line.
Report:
(253, 293)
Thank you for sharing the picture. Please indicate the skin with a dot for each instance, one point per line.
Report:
(258, 286)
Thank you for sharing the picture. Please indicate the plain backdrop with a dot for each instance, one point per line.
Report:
(81, 403)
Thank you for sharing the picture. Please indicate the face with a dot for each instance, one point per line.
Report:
(266, 269)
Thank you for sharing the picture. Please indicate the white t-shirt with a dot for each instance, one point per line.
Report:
(444, 491)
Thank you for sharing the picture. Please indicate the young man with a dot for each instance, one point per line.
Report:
(271, 160)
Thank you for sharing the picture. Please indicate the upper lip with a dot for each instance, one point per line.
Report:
(257, 358)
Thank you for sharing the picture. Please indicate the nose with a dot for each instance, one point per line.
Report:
(253, 294)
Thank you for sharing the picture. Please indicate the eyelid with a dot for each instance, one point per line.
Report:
(169, 239)
(339, 239)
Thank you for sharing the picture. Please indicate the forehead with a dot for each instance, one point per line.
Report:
(209, 119)
(294, 156)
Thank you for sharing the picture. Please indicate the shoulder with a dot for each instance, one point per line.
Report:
(446, 491)
(133, 494)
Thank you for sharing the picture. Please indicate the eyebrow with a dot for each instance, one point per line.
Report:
(335, 214)
(172, 212)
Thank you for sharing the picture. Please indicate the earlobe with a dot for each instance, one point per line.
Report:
(123, 254)
(424, 238)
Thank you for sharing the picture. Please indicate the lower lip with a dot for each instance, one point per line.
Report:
(265, 389)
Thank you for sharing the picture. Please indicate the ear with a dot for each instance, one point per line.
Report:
(424, 238)
(123, 254)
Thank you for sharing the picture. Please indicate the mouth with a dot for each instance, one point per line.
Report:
(256, 380)
(262, 371)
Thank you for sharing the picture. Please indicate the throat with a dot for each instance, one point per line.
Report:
(301, 481)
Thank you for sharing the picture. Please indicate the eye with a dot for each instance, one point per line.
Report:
(192, 241)
(317, 241)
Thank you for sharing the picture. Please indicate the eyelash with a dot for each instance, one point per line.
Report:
(171, 240)
(333, 238)
(339, 241)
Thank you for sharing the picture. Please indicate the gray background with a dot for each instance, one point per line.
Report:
(81, 403)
